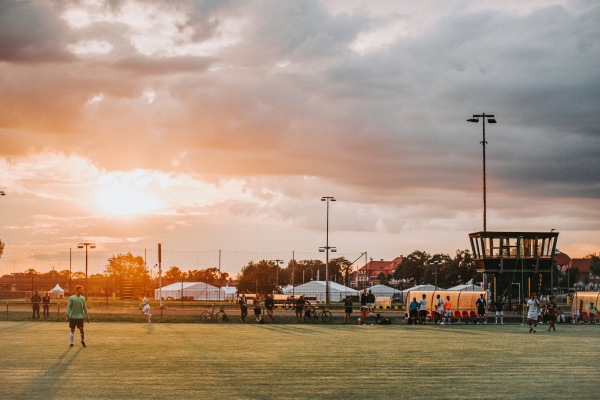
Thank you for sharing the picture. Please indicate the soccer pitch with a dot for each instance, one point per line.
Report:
(305, 361)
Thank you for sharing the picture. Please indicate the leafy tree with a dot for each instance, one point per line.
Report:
(305, 269)
(127, 267)
(174, 274)
(411, 268)
(340, 267)
(258, 277)
(594, 265)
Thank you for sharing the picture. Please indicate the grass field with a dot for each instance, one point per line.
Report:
(236, 361)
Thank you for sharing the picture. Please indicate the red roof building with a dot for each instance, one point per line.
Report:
(368, 275)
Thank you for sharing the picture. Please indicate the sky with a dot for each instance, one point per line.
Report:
(219, 125)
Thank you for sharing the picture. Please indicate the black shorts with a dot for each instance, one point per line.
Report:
(481, 313)
(348, 310)
(76, 323)
(422, 313)
(552, 318)
(257, 311)
(413, 313)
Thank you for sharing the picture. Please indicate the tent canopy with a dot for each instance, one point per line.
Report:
(57, 292)
(316, 290)
(384, 291)
(191, 291)
(466, 287)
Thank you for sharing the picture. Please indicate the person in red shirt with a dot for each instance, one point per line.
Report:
(552, 311)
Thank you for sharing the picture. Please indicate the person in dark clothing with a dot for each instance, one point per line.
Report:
(35, 302)
(347, 308)
(243, 303)
(300, 303)
(370, 302)
(269, 306)
(46, 305)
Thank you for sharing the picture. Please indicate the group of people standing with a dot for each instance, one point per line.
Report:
(36, 300)
(417, 311)
(257, 307)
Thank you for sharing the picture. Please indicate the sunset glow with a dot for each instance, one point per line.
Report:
(220, 125)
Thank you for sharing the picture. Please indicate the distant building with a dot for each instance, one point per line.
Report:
(564, 263)
(368, 275)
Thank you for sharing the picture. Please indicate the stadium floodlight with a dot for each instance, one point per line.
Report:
(490, 119)
(327, 199)
(91, 246)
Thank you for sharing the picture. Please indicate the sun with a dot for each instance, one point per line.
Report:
(124, 198)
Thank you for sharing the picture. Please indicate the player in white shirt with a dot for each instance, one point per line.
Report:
(146, 310)
(533, 306)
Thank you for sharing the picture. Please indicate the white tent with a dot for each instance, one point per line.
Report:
(315, 290)
(57, 292)
(427, 287)
(384, 291)
(190, 291)
(467, 287)
(228, 293)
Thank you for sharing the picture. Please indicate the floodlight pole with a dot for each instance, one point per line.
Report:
(91, 246)
(327, 199)
(490, 118)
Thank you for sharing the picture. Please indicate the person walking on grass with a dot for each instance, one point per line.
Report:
(448, 310)
(533, 307)
(146, 310)
(499, 310)
(552, 311)
(35, 304)
(347, 308)
(269, 306)
(76, 310)
(481, 305)
(243, 303)
(46, 305)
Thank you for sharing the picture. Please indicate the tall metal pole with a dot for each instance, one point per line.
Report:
(91, 246)
(490, 119)
(327, 199)
(327, 258)
(483, 143)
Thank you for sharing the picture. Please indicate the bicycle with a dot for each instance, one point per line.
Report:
(290, 303)
(210, 316)
(312, 312)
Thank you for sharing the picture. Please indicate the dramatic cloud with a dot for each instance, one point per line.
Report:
(220, 124)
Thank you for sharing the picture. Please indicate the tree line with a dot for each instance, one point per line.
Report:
(265, 276)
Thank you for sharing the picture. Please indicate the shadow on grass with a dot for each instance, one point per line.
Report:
(48, 384)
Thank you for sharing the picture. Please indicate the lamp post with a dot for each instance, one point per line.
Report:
(91, 246)
(327, 199)
(277, 262)
(491, 120)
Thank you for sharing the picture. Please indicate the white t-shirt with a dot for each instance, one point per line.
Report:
(146, 309)
(533, 305)
(440, 305)
(423, 305)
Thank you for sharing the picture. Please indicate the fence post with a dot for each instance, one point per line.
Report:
(7, 303)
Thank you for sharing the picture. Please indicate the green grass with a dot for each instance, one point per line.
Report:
(307, 361)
